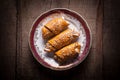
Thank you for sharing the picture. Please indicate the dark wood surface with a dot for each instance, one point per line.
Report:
(17, 62)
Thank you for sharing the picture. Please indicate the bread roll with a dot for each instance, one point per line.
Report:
(67, 53)
(54, 27)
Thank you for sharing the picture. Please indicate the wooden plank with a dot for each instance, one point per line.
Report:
(8, 39)
(111, 40)
(111, 47)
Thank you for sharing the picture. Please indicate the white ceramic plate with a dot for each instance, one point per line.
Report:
(37, 43)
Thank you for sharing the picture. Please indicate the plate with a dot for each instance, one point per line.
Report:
(37, 43)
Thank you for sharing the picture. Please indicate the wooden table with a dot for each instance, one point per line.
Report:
(17, 62)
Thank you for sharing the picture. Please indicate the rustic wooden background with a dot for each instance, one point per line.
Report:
(17, 62)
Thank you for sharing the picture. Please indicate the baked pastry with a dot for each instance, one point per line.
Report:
(67, 53)
(54, 27)
(64, 38)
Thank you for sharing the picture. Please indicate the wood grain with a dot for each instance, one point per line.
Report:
(111, 38)
(7, 40)
(60, 4)
(17, 61)
(28, 68)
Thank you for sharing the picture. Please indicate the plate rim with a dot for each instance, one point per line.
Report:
(47, 65)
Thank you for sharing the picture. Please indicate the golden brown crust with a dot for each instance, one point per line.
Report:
(46, 34)
(57, 25)
(63, 39)
(68, 53)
